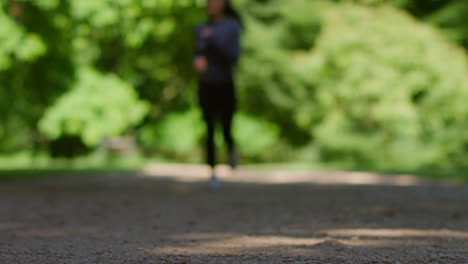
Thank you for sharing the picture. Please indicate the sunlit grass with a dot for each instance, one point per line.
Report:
(25, 165)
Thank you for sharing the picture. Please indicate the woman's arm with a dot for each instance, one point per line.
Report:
(201, 42)
(199, 61)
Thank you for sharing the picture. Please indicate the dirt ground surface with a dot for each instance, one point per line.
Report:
(166, 214)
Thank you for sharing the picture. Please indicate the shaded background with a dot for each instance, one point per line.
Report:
(377, 85)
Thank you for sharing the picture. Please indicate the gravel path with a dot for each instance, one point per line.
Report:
(167, 215)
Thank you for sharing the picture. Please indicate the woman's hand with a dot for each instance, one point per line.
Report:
(200, 64)
(207, 32)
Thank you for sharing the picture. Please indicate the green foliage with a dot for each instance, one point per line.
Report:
(388, 92)
(254, 137)
(15, 43)
(97, 106)
(146, 43)
(365, 82)
(371, 87)
(268, 85)
(177, 133)
(452, 18)
(38, 69)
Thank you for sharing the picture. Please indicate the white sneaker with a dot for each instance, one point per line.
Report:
(214, 183)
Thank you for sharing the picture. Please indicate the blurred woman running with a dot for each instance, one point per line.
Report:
(217, 51)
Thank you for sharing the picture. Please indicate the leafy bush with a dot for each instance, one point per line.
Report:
(177, 134)
(97, 106)
(15, 43)
(452, 18)
(180, 134)
(275, 34)
(388, 91)
(255, 137)
(43, 43)
(374, 88)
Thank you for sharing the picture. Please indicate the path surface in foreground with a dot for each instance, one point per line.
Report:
(167, 215)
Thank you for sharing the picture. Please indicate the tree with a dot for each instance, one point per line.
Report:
(378, 88)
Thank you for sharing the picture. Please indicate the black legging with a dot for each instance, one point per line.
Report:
(217, 102)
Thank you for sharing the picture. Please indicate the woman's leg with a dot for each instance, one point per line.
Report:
(209, 117)
(227, 114)
(227, 117)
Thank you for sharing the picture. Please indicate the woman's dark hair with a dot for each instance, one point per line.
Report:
(230, 12)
